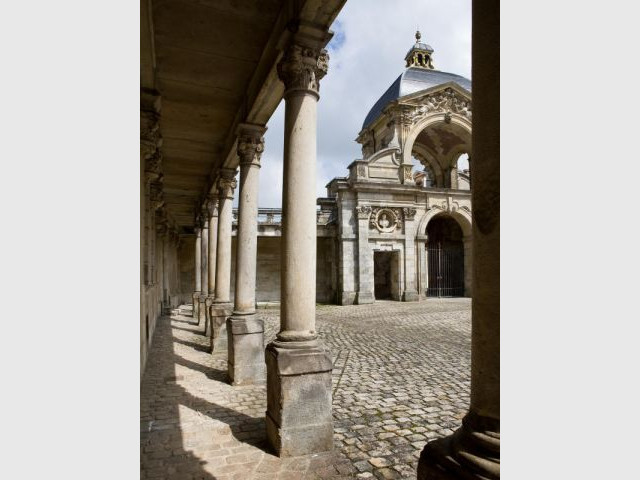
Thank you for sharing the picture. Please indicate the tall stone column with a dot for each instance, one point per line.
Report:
(212, 212)
(410, 293)
(365, 260)
(299, 366)
(198, 272)
(204, 267)
(473, 451)
(221, 307)
(245, 330)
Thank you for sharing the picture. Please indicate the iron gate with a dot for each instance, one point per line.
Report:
(445, 270)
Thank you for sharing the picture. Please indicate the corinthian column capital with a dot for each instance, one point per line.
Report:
(250, 143)
(226, 183)
(212, 206)
(302, 68)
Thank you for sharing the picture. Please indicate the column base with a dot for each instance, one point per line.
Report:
(218, 314)
(346, 298)
(202, 311)
(195, 301)
(410, 296)
(207, 309)
(365, 297)
(245, 336)
(299, 420)
(471, 453)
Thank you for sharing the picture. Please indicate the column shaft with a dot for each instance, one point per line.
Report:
(223, 253)
(198, 266)
(213, 246)
(298, 268)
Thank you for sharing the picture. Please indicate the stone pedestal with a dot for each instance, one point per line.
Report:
(245, 334)
(218, 314)
(347, 298)
(202, 310)
(299, 420)
(410, 296)
(207, 306)
(195, 301)
(364, 298)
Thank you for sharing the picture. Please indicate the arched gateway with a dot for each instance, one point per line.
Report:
(403, 215)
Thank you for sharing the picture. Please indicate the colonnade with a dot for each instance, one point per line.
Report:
(297, 365)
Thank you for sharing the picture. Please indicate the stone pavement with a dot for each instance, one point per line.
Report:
(401, 377)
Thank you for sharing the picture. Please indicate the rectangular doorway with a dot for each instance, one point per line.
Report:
(382, 264)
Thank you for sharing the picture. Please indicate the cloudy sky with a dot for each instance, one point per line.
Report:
(366, 55)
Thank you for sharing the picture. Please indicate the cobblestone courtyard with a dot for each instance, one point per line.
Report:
(400, 378)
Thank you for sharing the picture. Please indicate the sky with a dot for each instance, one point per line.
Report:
(366, 54)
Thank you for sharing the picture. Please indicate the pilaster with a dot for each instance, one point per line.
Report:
(365, 261)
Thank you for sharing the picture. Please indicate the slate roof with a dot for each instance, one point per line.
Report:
(413, 80)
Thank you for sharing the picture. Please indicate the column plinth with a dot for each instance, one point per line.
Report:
(299, 420)
(245, 331)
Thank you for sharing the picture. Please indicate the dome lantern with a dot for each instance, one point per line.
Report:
(419, 55)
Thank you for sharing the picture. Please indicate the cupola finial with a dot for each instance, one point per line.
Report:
(418, 36)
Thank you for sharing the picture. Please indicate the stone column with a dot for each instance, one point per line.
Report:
(221, 307)
(245, 330)
(204, 267)
(410, 293)
(212, 212)
(198, 273)
(299, 420)
(473, 451)
(365, 260)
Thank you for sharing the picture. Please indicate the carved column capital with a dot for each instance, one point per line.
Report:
(363, 212)
(212, 206)
(226, 184)
(250, 143)
(409, 213)
(302, 68)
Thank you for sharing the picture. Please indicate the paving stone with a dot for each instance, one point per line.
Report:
(400, 379)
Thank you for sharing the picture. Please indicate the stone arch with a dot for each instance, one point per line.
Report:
(429, 158)
(463, 218)
(427, 121)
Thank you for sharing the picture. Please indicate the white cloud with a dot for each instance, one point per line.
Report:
(366, 56)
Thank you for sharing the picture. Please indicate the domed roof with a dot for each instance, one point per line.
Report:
(413, 80)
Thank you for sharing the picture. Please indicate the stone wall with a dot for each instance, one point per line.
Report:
(268, 270)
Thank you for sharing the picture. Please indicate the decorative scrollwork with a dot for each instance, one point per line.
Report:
(363, 212)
